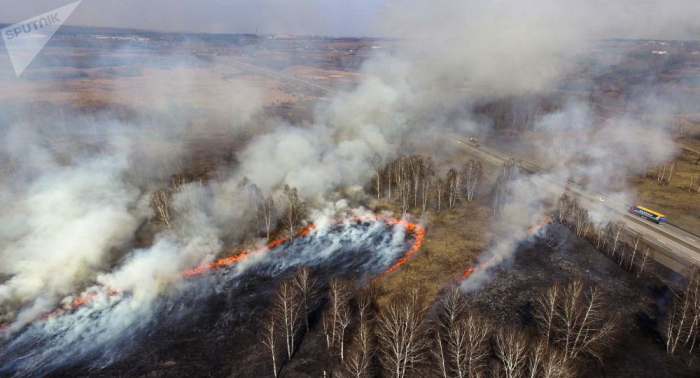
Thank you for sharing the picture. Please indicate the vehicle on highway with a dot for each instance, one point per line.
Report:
(648, 214)
(600, 198)
(478, 145)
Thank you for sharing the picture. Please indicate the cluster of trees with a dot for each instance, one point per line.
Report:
(662, 174)
(445, 339)
(630, 252)
(510, 171)
(264, 213)
(294, 301)
(683, 324)
(517, 114)
(412, 182)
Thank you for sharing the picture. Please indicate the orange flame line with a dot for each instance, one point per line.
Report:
(530, 231)
(418, 231)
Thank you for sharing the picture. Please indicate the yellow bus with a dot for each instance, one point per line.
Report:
(648, 214)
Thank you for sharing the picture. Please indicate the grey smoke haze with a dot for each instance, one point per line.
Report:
(672, 19)
(69, 215)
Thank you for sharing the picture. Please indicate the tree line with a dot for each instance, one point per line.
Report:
(404, 337)
(265, 215)
(682, 324)
(411, 181)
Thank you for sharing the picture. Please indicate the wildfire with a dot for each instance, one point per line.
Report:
(417, 231)
(520, 236)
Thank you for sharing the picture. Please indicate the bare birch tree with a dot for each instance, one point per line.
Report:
(401, 334)
(337, 316)
(684, 320)
(376, 161)
(473, 173)
(403, 192)
(287, 308)
(511, 348)
(361, 353)
(454, 187)
(439, 194)
(269, 339)
(548, 362)
(580, 323)
(161, 205)
(295, 211)
(307, 288)
(546, 308)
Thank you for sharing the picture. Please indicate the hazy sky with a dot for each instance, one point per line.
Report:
(672, 19)
(332, 17)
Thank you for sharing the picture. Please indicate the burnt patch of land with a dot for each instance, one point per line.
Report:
(639, 350)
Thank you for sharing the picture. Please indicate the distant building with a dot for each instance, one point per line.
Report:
(658, 52)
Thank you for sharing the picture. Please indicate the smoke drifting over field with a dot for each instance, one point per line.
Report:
(126, 302)
(70, 215)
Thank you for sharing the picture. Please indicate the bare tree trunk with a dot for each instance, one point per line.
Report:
(337, 316)
(439, 193)
(161, 205)
(295, 212)
(643, 263)
(402, 334)
(287, 309)
(511, 350)
(269, 339)
(307, 287)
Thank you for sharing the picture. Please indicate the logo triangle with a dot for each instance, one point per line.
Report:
(25, 39)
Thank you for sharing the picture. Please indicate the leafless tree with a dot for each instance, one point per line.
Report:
(378, 173)
(287, 308)
(684, 321)
(439, 194)
(426, 189)
(643, 262)
(562, 207)
(511, 348)
(269, 339)
(295, 210)
(360, 354)
(546, 308)
(403, 192)
(454, 187)
(418, 167)
(634, 251)
(267, 207)
(548, 362)
(161, 206)
(468, 347)
(615, 232)
(580, 323)
(451, 306)
(401, 334)
(473, 173)
(337, 316)
(307, 288)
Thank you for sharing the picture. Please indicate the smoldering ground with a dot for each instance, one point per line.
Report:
(116, 324)
(81, 210)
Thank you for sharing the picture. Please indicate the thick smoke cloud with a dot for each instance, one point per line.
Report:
(73, 220)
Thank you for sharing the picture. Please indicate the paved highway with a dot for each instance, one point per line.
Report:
(676, 248)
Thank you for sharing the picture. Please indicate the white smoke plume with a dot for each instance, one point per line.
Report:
(73, 220)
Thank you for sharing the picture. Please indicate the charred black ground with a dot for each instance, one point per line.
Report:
(641, 302)
(211, 327)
